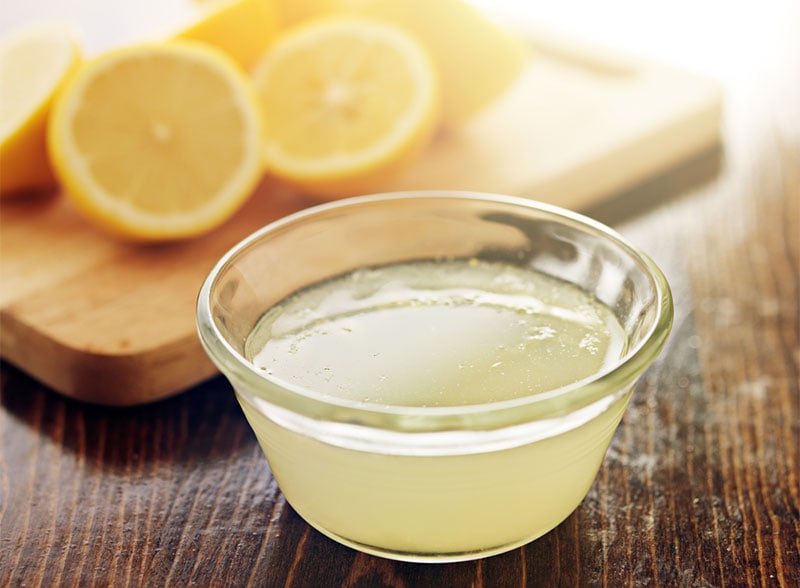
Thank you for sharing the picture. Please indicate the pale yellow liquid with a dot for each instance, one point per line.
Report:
(437, 334)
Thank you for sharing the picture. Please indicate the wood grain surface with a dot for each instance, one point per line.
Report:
(701, 485)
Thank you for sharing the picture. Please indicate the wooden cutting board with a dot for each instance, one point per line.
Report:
(111, 323)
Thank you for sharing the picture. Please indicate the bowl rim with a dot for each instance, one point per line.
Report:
(551, 405)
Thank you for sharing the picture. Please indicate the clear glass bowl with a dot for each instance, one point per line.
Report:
(433, 483)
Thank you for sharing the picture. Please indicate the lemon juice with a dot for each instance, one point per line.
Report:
(460, 335)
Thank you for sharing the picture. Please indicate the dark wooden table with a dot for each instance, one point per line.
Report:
(701, 486)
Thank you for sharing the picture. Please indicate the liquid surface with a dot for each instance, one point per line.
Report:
(436, 334)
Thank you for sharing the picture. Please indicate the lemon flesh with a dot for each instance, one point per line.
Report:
(158, 142)
(347, 103)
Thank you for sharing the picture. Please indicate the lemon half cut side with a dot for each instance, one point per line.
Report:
(347, 103)
(158, 141)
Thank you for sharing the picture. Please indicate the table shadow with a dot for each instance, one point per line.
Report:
(302, 557)
(203, 423)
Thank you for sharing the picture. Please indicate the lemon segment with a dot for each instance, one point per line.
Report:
(34, 63)
(242, 28)
(157, 141)
(347, 103)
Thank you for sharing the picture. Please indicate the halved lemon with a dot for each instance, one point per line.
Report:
(34, 62)
(242, 28)
(158, 141)
(347, 103)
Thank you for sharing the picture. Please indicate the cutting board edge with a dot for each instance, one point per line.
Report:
(140, 377)
(704, 127)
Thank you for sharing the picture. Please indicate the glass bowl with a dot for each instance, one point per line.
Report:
(421, 479)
